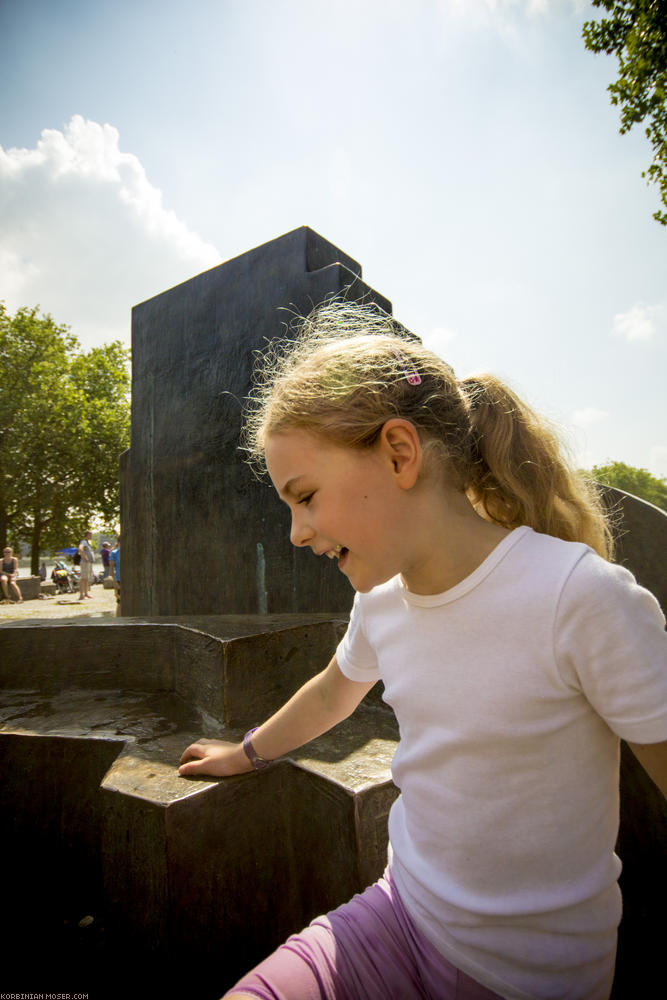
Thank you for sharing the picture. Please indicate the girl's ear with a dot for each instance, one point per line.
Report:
(400, 445)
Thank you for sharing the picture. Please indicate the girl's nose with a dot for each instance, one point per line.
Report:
(301, 533)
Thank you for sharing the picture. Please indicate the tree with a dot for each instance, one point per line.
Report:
(636, 31)
(639, 482)
(64, 419)
(101, 377)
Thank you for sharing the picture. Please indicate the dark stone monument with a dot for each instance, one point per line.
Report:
(200, 534)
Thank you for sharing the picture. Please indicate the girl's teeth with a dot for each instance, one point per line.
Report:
(332, 553)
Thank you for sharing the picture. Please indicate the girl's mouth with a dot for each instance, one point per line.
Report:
(338, 553)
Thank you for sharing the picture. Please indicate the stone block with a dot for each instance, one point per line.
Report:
(641, 536)
(233, 670)
(642, 847)
(50, 843)
(30, 587)
(175, 870)
(200, 534)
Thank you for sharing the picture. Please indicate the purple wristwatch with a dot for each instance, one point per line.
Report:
(259, 763)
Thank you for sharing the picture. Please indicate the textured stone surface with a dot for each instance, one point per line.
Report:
(641, 540)
(200, 534)
(30, 587)
(234, 670)
(642, 847)
(92, 725)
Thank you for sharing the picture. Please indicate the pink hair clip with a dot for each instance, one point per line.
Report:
(412, 376)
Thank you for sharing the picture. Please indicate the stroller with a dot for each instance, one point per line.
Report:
(64, 578)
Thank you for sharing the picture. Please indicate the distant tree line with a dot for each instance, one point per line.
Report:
(64, 420)
(639, 482)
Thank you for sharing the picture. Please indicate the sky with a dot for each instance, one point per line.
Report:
(465, 152)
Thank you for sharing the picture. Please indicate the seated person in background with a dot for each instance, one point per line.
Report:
(8, 573)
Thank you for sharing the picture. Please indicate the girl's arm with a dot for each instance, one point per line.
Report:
(653, 758)
(320, 704)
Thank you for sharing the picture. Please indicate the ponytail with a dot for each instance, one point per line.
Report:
(519, 475)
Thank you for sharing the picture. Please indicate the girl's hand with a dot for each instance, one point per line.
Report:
(215, 757)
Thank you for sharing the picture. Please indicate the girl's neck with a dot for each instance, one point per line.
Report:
(450, 545)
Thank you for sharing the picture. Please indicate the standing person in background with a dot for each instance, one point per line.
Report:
(105, 552)
(86, 566)
(114, 566)
(8, 573)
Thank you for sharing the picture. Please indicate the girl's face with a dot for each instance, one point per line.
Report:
(345, 503)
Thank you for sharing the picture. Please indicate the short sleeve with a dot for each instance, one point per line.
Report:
(355, 655)
(610, 643)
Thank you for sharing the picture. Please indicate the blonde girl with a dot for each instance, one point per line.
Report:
(514, 655)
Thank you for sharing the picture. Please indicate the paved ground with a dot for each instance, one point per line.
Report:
(102, 604)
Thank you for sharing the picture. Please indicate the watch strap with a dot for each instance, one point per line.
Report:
(259, 763)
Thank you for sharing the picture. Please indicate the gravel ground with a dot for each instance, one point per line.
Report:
(102, 604)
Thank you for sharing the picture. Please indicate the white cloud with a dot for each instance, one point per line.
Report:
(640, 322)
(589, 415)
(84, 234)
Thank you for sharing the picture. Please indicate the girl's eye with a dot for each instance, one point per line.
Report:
(307, 498)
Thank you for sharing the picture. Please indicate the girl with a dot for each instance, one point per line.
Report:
(8, 573)
(504, 640)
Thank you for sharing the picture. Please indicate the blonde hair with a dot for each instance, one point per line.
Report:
(349, 368)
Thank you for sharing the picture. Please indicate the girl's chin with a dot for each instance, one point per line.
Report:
(362, 584)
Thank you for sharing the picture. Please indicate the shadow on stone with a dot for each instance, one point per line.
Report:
(175, 871)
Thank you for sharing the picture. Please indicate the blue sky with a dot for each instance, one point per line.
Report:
(464, 151)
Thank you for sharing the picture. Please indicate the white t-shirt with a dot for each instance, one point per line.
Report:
(511, 691)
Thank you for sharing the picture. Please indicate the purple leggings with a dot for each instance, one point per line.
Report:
(367, 949)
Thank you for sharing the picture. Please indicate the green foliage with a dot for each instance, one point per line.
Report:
(64, 419)
(639, 482)
(636, 32)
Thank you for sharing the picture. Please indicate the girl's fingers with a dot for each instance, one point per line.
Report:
(194, 750)
(192, 767)
(219, 758)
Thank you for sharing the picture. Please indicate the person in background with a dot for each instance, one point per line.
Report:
(105, 552)
(86, 566)
(114, 566)
(8, 573)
